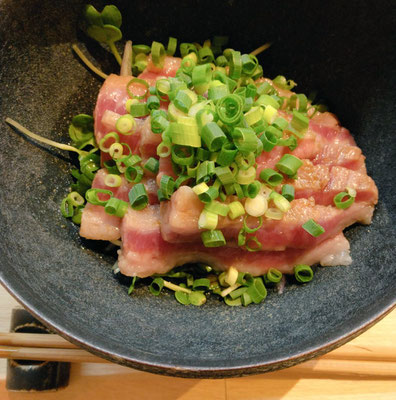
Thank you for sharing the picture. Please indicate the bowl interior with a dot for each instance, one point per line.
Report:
(343, 51)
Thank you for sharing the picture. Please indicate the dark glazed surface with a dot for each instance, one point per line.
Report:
(345, 49)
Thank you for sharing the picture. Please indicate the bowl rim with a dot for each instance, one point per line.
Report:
(164, 368)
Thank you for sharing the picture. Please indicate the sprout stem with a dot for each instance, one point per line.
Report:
(43, 140)
(115, 52)
(88, 63)
(260, 49)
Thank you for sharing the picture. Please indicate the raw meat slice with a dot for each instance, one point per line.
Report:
(95, 223)
(323, 183)
(179, 222)
(144, 252)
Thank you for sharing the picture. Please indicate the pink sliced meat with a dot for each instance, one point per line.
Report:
(96, 224)
(323, 182)
(144, 252)
(111, 101)
(324, 143)
(179, 222)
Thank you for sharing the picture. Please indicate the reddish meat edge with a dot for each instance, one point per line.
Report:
(179, 222)
(144, 252)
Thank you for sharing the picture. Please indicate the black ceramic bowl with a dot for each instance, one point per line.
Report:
(344, 49)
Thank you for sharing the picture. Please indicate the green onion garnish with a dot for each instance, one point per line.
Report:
(313, 228)
(271, 177)
(343, 200)
(288, 192)
(273, 275)
(152, 165)
(116, 207)
(92, 196)
(213, 238)
(138, 197)
(289, 164)
(303, 273)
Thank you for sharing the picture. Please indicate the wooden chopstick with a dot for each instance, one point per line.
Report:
(34, 340)
(346, 352)
(347, 360)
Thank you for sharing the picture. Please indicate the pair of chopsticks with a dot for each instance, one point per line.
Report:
(351, 360)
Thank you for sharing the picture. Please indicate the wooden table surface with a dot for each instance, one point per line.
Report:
(110, 381)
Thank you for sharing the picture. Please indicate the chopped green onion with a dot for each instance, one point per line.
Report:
(139, 110)
(246, 177)
(92, 196)
(280, 202)
(273, 275)
(231, 276)
(153, 103)
(299, 122)
(235, 64)
(252, 230)
(201, 284)
(102, 143)
(200, 188)
(217, 208)
(158, 54)
(245, 140)
(152, 165)
(313, 228)
(134, 174)
(112, 180)
(141, 82)
(274, 213)
(211, 194)
(201, 76)
(67, 208)
(257, 291)
(256, 207)
(76, 199)
(227, 154)
(76, 218)
(236, 209)
(185, 132)
(116, 207)
(343, 200)
(283, 83)
(164, 149)
(257, 244)
(213, 238)
(138, 197)
(208, 220)
(224, 175)
(289, 164)
(230, 109)
(182, 101)
(156, 286)
(303, 273)
(271, 177)
(213, 136)
(233, 302)
(167, 186)
(182, 155)
(288, 192)
(269, 140)
(172, 46)
(126, 124)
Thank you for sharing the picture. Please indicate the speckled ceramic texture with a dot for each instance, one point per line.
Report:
(344, 49)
